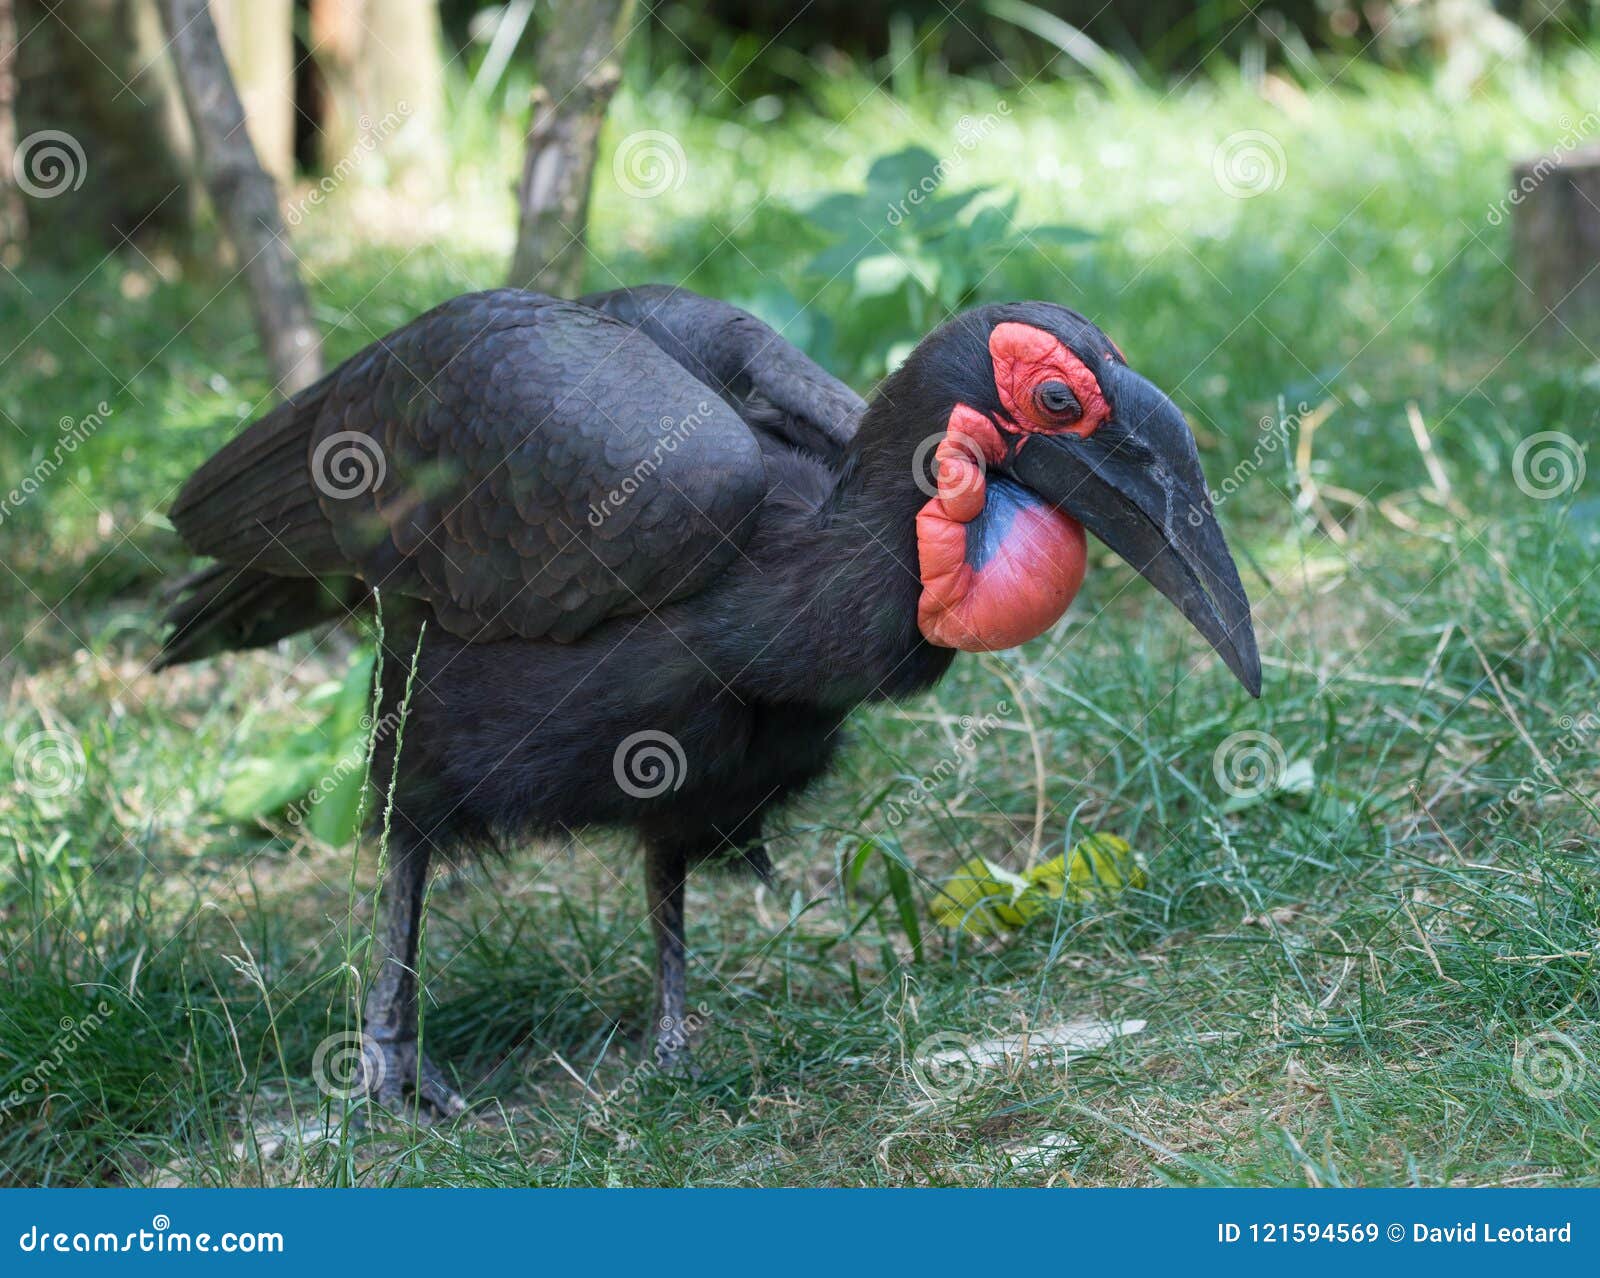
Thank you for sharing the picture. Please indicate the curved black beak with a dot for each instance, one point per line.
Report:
(1136, 484)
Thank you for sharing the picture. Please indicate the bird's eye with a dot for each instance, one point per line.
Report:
(1056, 401)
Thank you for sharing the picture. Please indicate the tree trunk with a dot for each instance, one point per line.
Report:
(244, 196)
(1556, 242)
(258, 38)
(578, 73)
(13, 216)
(381, 67)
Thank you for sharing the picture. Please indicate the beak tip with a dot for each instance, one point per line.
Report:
(1245, 663)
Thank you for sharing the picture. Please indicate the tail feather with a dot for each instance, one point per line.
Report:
(254, 506)
(222, 607)
(254, 502)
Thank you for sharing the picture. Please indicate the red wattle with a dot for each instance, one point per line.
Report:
(1024, 584)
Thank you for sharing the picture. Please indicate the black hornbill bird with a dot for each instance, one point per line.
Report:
(638, 557)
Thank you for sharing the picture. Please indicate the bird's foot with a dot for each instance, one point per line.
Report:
(391, 1070)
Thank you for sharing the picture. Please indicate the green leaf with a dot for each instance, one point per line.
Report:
(840, 209)
(836, 259)
(905, 904)
(333, 819)
(263, 787)
(317, 772)
(901, 171)
(858, 863)
(1067, 236)
(880, 274)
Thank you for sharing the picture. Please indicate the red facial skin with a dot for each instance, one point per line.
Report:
(1024, 359)
(1028, 583)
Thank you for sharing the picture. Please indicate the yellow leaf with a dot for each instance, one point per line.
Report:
(987, 899)
(1102, 865)
(972, 898)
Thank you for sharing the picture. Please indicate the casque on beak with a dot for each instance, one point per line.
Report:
(1136, 484)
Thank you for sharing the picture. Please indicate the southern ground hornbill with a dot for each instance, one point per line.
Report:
(638, 557)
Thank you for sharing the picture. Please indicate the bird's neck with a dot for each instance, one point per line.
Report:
(848, 623)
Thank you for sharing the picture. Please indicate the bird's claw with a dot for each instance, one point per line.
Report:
(390, 1070)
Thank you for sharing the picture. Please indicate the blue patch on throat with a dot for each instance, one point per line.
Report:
(1003, 501)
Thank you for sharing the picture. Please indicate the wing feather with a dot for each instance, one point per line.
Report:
(528, 466)
(776, 387)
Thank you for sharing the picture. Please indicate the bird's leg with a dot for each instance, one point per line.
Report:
(665, 868)
(391, 1063)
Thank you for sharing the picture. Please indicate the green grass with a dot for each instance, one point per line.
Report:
(1354, 979)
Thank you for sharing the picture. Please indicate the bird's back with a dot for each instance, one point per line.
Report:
(522, 465)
